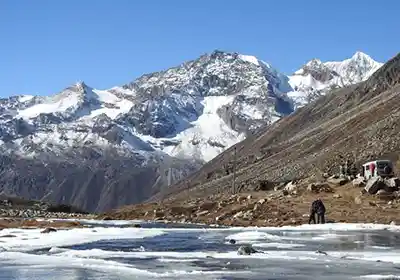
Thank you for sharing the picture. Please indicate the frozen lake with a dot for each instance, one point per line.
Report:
(110, 250)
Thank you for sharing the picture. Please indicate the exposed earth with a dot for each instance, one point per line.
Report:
(284, 205)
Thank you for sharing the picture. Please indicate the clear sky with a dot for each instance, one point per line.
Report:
(46, 45)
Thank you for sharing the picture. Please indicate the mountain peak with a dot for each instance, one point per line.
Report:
(314, 62)
(249, 58)
(315, 78)
(80, 85)
(359, 55)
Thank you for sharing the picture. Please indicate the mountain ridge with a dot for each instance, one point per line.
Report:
(358, 122)
(80, 145)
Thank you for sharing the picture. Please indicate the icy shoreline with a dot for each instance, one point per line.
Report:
(115, 248)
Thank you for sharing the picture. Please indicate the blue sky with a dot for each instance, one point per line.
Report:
(47, 45)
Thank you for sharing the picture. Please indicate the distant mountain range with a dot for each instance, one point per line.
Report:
(100, 149)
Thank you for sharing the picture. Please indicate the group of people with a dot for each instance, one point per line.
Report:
(317, 208)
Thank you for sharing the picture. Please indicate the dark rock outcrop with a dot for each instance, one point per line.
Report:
(246, 250)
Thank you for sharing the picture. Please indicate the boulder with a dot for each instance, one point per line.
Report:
(336, 195)
(358, 200)
(48, 230)
(383, 194)
(246, 250)
(238, 214)
(392, 184)
(325, 175)
(248, 215)
(374, 185)
(338, 181)
(220, 218)
(261, 201)
(203, 213)
(232, 241)
(291, 188)
(359, 182)
(256, 207)
(264, 185)
(319, 187)
(158, 214)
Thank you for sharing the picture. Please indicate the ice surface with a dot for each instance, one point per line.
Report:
(32, 239)
(253, 235)
(202, 253)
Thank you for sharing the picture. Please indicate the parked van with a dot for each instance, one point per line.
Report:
(382, 168)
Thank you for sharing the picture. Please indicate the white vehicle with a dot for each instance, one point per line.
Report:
(382, 168)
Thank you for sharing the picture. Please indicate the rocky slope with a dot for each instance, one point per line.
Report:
(99, 149)
(14, 207)
(285, 204)
(357, 123)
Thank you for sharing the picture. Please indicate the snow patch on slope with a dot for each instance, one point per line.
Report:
(50, 105)
(209, 134)
(249, 58)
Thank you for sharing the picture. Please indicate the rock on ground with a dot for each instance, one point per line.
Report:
(319, 187)
(392, 184)
(291, 188)
(374, 185)
(246, 250)
(383, 194)
(337, 181)
(358, 200)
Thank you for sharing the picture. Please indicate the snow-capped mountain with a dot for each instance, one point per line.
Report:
(99, 149)
(71, 146)
(193, 111)
(316, 78)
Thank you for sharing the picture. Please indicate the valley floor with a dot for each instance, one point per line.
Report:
(344, 204)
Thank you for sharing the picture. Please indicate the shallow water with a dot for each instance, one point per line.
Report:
(160, 251)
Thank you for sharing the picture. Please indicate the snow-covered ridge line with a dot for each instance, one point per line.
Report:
(316, 78)
(171, 111)
(168, 112)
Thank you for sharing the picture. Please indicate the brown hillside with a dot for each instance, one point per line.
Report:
(357, 123)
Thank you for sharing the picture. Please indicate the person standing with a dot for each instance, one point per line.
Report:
(317, 208)
(320, 211)
(312, 213)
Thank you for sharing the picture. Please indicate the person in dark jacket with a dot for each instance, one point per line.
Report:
(317, 207)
